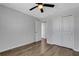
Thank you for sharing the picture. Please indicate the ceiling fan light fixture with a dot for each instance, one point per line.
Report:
(40, 6)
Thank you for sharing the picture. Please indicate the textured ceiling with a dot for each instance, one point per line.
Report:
(24, 7)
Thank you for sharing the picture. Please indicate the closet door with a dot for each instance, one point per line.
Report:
(68, 31)
(56, 31)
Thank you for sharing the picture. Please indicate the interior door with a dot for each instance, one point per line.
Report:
(56, 31)
(68, 31)
(37, 30)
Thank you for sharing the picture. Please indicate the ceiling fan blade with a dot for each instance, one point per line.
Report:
(41, 10)
(33, 8)
(49, 5)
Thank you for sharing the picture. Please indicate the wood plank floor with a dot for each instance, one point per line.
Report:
(34, 49)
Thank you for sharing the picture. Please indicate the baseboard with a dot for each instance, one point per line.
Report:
(22, 46)
(77, 50)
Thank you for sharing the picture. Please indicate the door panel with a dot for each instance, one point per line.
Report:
(56, 34)
(68, 31)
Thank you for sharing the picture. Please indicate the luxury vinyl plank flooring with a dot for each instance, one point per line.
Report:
(34, 49)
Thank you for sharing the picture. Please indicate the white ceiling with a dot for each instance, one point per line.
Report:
(24, 7)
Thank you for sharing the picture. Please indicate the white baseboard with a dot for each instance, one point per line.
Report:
(77, 50)
(15, 46)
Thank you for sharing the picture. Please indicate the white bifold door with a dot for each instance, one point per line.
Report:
(67, 31)
(60, 31)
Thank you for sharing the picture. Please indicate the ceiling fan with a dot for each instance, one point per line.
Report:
(41, 5)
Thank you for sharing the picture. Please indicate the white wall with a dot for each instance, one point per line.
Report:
(54, 28)
(37, 30)
(16, 29)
